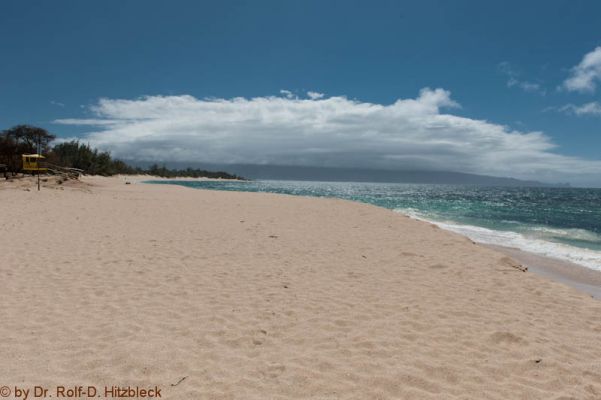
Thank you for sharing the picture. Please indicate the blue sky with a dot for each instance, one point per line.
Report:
(505, 63)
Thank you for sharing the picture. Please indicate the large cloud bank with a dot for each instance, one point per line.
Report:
(326, 131)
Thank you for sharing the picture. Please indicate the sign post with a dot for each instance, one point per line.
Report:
(39, 154)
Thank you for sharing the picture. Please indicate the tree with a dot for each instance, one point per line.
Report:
(74, 154)
(27, 136)
(22, 139)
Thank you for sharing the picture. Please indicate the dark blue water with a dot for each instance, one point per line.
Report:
(558, 222)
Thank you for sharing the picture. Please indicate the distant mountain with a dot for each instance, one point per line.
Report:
(282, 172)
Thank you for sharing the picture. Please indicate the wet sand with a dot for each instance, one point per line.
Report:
(577, 276)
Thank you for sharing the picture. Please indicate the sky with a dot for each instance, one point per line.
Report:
(505, 88)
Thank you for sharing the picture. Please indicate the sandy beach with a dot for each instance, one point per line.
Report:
(228, 295)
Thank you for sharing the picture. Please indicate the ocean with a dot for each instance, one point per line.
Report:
(564, 223)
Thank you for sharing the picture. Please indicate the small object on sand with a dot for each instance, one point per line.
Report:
(538, 360)
(273, 236)
(519, 267)
(128, 183)
(508, 262)
(363, 256)
(180, 381)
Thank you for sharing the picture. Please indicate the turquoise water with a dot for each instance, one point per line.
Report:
(559, 222)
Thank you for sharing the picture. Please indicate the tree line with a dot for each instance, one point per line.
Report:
(25, 139)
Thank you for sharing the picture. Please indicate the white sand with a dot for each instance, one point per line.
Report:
(262, 296)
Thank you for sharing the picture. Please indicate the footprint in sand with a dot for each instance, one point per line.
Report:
(505, 337)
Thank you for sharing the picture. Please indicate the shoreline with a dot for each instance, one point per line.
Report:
(577, 276)
(142, 178)
(580, 277)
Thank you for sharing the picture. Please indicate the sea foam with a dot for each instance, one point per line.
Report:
(585, 257)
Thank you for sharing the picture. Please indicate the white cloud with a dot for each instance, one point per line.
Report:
(584, 76)
(314, 95)
(57, 103)
(592, 108)
(514, 81)
(287, 93)
(332, 131)
(526, 86)
(86, 121)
